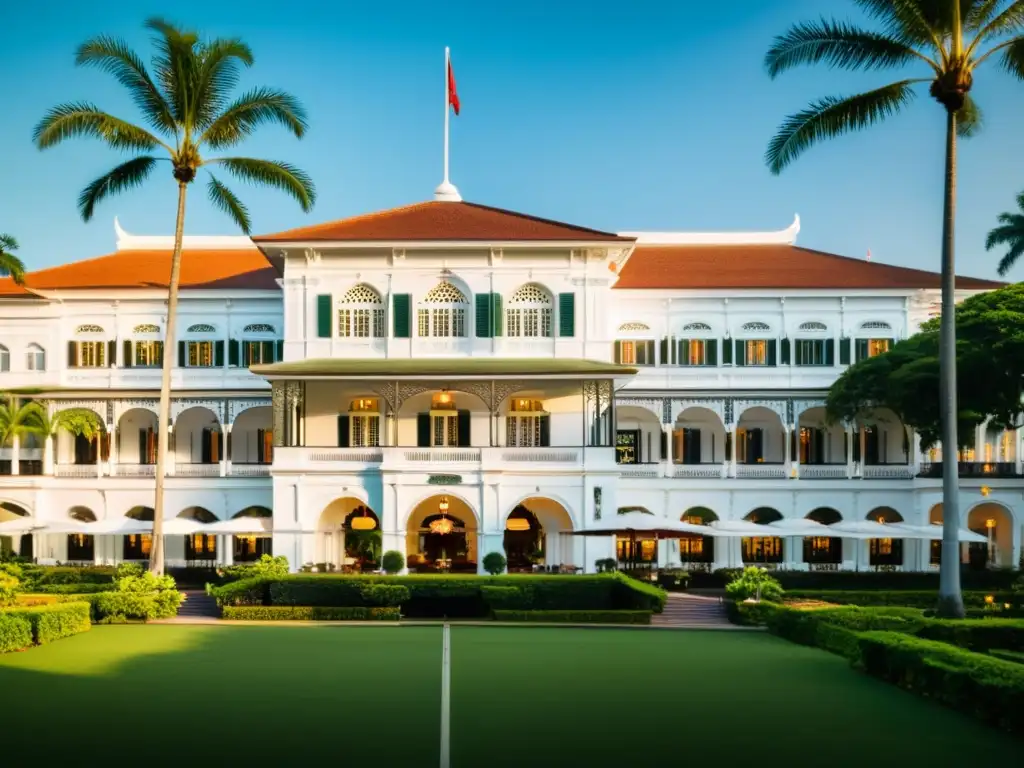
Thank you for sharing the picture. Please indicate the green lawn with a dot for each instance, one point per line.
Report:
(173, 695)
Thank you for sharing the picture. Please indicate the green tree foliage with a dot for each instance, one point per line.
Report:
(1009, 233)
(10, 265)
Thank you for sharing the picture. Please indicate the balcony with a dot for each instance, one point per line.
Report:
(763, 471)
(822, 471)
(137, 471)
(887, 471)
(440, 460)
(972, 469)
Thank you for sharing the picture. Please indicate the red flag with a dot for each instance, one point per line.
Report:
(453, 95)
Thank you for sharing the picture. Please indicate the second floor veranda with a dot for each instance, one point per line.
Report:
(432, 415)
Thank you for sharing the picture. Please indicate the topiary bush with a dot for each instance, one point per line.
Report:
(267, 565)
(15, 632)
(309, 613)
(393, 561)
(9, 588)
(754, 583)
(494, 563)
(56, 621)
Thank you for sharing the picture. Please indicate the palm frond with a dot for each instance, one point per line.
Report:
(216, 76)
(1012, 57)
(115, 57)
(831, 116)
(270, 173)
(980, 13)
(1010, 257)
(174, 64)
(1010, 19)
(227, 201)
(125, 176)
(904, 20)
(11, 266)
(71, 120)
(253, 109)
(1020, 201)
(838, 44)
(969, 119)
(8, 242)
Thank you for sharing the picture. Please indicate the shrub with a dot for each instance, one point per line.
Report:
(752, 614)
(976, 634)
(754, 583)
(115, 607)
(37, 575)
(267, 565)
(15, 632)
(309, 613)
(632, 594)
(56, 621)
(494, 563)
(124, 570)
(576, 617)
(9, 587)
(336, 593)
(606, 565)
(393, 561)
(146, 583)
(988, 688)
(835, 629)
(80, 588)
(254, 591)
(1017, 657)
(907, 598)
(500, 597)
(673, 579)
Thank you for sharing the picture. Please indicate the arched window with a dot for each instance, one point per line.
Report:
(5, 358)
(203, 349)
(144, 353)
(259, 351)
(812, 327)
(444, 312)
(634, 327)
(875, 325)
(91, 351)
(634, 345)
(755, 348)
(697, 328)
(258, 328)
(146, 328)
(361, 314)
(35, 358)
(201, 328)
(756, 327)
(529, 312)
(875, 338)
(88, 328)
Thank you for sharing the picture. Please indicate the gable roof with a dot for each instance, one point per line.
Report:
(442, 221)
(201, 268)
(769, 266)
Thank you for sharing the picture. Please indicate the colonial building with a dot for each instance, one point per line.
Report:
(449, 379)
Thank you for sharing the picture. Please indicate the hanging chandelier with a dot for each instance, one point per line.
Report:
(443, 525)
(363, 522)
(517, 524)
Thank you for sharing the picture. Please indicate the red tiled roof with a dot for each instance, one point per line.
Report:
(436, 220)
(239, 268)
(769, 266)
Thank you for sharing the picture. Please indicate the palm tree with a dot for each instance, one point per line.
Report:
(16, 420)
(187, 105)
(948, 40)
(1009, 232)
(10, 265)
(46, 423)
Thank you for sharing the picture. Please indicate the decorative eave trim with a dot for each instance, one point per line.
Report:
(130, 242)
(785, 236)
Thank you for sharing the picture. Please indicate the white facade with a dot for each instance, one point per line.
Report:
(724, 413)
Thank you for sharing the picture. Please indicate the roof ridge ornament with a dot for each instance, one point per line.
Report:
(125, 241)
(785, 236)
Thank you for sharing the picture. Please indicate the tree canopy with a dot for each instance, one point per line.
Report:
(990, 356)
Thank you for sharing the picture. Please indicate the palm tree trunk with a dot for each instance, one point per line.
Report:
(951, 604)
(156, 556)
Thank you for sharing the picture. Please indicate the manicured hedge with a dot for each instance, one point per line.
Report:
(987, 580)
(906, 598)
(76, 588)
(308, 613)
(976, 634)
(436, 596)
(835, 629)
(987, 688)
(54, 622)
(1017, 657)
(752, 614)
(576, 617)
(41, 575)
(117, 607)
(15, 632)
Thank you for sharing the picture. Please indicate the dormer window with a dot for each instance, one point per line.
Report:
(443, 312)
(361, 314)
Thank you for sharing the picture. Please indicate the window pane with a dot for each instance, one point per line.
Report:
(345, 323)
(423, 322)
(200, 354)
(629, 353)
(697, 352)
(877, 346)
(757, 352)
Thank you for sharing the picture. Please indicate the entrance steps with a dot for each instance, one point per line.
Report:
(685, 611)
(198, 605)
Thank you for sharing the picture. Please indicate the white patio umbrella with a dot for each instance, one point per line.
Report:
(20, 526)
(114, 526)
(799, 527)
(66, 526)
(183, 526)
(739, 529)
(933, 532)
(241, 526)
(867, 529)
(642, 525)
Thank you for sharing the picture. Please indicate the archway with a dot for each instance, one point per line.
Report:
(824, 552)
(995, 522)
(444, 418)
(694, 549)
(536, 535)
(362, 540)
(761, 439)
(885, 553)
(250, 547)
(137, 546)
(198, 438)
(200, 548)
(698, 437)
(880, 438)
(252, 436)
(817, 442)
(81, 546)
(762, 549)
(333, 550)
(21, 543)
(441, 535)
(137, 437)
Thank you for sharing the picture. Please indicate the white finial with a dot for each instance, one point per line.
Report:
(119, 233)
(447, 192)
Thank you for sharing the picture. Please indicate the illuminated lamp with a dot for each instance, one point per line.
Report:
(517, 524)
(363, 523)
(444, 397)
(442, 526)
(985, 490)
(990, 523)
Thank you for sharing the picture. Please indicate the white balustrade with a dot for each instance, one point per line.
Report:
(441, 455)
(761, 471)
(640, 470)
(887, 471)
(249, 470)
(197, 470)
(135, 470)
(822, 471)
(697, 471)
(75, 470)
(541, 455)
(364, 455)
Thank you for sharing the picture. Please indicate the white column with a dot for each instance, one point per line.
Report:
(224, 463)
(15, 455)
(172, 451)
(668, 459)
(99, 453)
(732, 449)
(848, 445)
(915, 453)
(48, 462)
(791, 462)
(862, 437)
(115, 454)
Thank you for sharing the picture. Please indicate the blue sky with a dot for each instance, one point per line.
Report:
(646, 115)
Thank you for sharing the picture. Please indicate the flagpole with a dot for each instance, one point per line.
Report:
(447, 109)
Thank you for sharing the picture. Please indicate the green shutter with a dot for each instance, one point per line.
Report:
(343, 441)
(72, 361)
(160, 353)
(617, 354)
(772, 358)
(423, 430)
(401, 303)
(830, 352)
(711, 352)
(323, 316)
(567, 314)
(233, 353)
(483, 316)
(785, 352)
(127, 361)
(279, 350)
(112, 353)
(497, 316)
(182, 356)
(844, 351)
(684, 351)
(218, 353)
(741, 356)
(726, 352)
(862, 350)
(463, 428)
(664, 352)
(266, 352)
